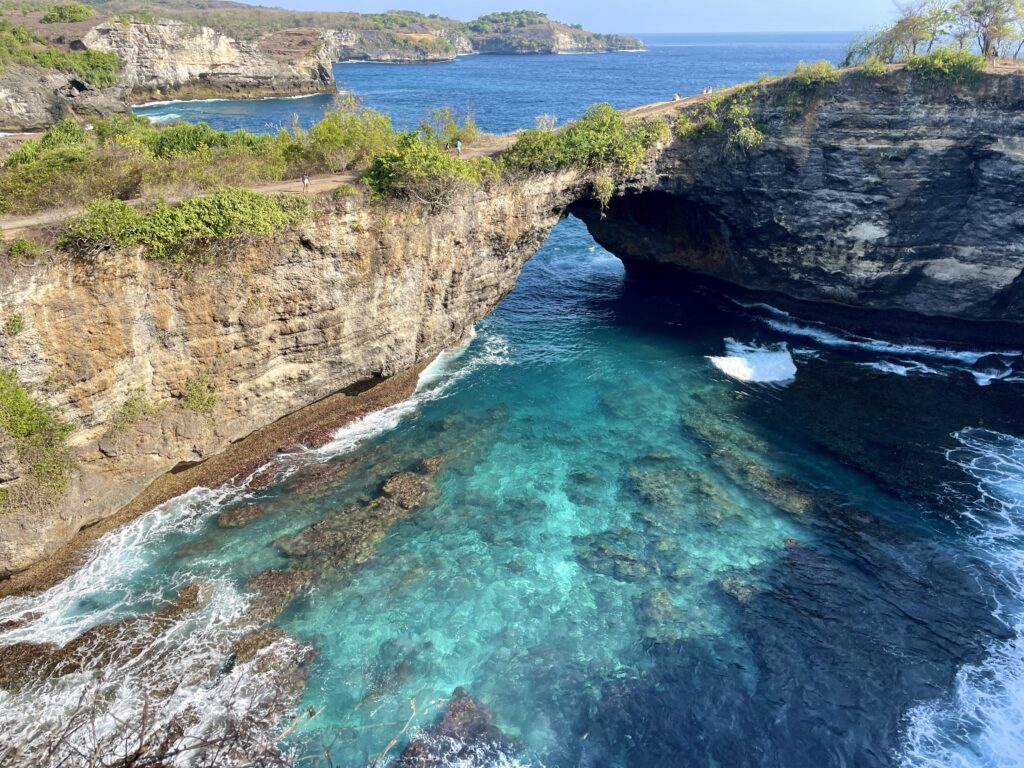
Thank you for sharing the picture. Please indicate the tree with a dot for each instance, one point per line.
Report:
(991, 22)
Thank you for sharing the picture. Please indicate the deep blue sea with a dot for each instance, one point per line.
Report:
(671, 529)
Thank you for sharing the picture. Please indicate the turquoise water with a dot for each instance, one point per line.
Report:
(669, 530)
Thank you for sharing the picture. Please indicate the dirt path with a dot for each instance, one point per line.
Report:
(18, 226)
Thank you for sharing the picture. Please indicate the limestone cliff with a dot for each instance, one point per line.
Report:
(171, 58)
(886, 194)
(158, 59)
(359, 293)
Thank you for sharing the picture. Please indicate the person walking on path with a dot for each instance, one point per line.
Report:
(458, 147)
(305, 183)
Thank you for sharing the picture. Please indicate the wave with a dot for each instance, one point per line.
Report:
(167, 102)
(757, 364)
(164, 118)
(981, 725)
(984, 366)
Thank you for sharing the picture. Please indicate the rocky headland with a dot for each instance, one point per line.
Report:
(181, 55)
(882, 195)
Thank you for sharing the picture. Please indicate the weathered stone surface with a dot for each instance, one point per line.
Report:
(891, 195)
(407, 489)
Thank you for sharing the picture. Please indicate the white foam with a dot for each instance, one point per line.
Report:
(752, 363)
(902, 367)
(434, 383)
(981, 724)
(834, 338)
(165, 118)
(168, 102)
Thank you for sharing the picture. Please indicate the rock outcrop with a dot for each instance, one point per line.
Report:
(173, 59)
(159, 59)
(359, 294)
(883, 194)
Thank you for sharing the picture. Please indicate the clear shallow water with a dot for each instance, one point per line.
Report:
(651, 542)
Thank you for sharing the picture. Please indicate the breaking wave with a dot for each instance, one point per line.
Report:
(899, 359)
(981, 724)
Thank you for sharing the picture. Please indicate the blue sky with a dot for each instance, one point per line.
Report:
(651, 15)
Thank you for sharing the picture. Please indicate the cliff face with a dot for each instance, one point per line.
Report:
(889, 195)
(359, 293)
(33, 98)
(170, 58)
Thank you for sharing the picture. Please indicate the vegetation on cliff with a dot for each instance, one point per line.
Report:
(602, 139)
(65, 13)
(39, 437)
(183, 234)
(19, 46)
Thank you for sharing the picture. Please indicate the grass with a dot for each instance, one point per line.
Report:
(40, 438)
(19, 46)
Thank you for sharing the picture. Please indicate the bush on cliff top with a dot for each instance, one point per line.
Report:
(948, 67)
(64, 13)
(418, 170)
(40, 438)
(602, 139)
(180, 235)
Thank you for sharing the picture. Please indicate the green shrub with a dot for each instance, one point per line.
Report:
(132, 411)
(444, 128)
(64, 133)
(200, 395)
(14, 325)
(349, 137)
(748, 137)
(601, 139)
(813, 77)
(343, 191)
(66, 12)
(180, 235)
(40, 437)
(686, 127)
(415, 169)
(948, 67)
(601, 189)
(23, 250)
(874, 67)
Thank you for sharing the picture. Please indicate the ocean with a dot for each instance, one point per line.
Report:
(671, 528)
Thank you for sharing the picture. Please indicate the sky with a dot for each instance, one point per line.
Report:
(649, 15)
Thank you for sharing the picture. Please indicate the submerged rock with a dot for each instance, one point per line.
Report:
(658, 615)
(466, 735)
(408, 489)
(101, 645)
(238, 517)
(350, 536)
(609, 553)
(274, 589)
